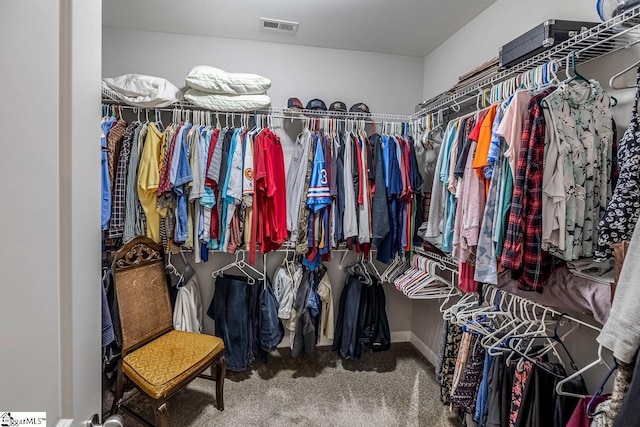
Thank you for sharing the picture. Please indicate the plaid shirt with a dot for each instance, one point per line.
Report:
(523, 244)
(116, 223)
(114, 143)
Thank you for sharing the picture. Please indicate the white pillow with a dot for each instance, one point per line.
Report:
(214, 80)
(235, 104)
(144, 91)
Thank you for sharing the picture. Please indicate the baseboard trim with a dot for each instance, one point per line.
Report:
(401, 336)
(424, 349)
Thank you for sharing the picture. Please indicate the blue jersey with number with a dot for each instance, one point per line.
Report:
(319, 195)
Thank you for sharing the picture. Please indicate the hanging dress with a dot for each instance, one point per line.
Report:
(621, 215)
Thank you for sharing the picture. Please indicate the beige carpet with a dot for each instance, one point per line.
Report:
(393, 388)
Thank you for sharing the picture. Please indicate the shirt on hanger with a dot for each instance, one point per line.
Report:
(148, 181)
(522, 248)
(511, 127)
(105, 179)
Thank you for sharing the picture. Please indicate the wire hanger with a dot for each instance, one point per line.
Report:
(241, 264)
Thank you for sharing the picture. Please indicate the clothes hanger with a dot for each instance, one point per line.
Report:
(561, 383)
(571, 63)
(452, 292)
(158, 122)
(187, 271)
(391, 268)
(535, 325)
(433, 286)
(598, 393)
(456, 106)
(553, 341)
(169, 267)
(467, 299)
(612, 81)
(241, 264)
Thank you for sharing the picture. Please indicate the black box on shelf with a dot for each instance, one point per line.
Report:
(540, 38)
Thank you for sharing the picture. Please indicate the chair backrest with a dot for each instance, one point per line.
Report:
(142, 293)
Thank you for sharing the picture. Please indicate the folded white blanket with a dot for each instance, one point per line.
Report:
(235, 104)
(214, 80)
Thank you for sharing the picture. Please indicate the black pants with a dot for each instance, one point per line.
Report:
(230, 311)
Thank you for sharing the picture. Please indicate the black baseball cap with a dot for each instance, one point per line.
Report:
(295, 103)
(316, 104)
(359, 108)
(338, 106)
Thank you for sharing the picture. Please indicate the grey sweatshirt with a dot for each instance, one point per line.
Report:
(621, 333)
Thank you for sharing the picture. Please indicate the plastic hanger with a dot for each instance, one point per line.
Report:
(612, 81)
(467, 300)
(598, 393)
(241, 264)
(187, 271)
(561, 383)
(169, 267)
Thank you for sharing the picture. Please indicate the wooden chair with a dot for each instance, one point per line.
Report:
(157, 359)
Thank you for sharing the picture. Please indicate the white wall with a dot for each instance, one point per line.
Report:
(386, 83)
(49, 221)
(30, 215)
(478, 42)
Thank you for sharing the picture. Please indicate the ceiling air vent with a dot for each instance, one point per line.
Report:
(278, 25)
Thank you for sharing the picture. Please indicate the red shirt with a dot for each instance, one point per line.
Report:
(269, 227)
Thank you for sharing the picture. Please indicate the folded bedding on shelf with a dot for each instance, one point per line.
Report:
(234, 104)
(143, 91)
(214, 80)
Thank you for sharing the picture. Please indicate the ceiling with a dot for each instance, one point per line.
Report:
(402, 27)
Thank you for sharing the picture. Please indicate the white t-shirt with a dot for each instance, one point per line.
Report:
(350, 226)
(511, 127)
(247, 166)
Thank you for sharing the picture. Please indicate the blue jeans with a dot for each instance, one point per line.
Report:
(230, 311)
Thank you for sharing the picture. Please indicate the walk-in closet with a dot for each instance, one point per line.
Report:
(320, 213)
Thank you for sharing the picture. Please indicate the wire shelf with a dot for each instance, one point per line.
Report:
(111, 97)
(620, 32)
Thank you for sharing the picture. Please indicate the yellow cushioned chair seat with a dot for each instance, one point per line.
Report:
(162, 364)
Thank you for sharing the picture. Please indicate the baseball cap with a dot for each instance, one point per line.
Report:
(338, 106)
(295, 103)
(316, 104)
(359, 108)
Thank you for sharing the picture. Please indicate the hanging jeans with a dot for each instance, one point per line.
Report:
(229, 309)
(347, 337)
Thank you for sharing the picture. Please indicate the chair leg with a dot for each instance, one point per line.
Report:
(221, 370)
(161, 415)
(117, 398)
